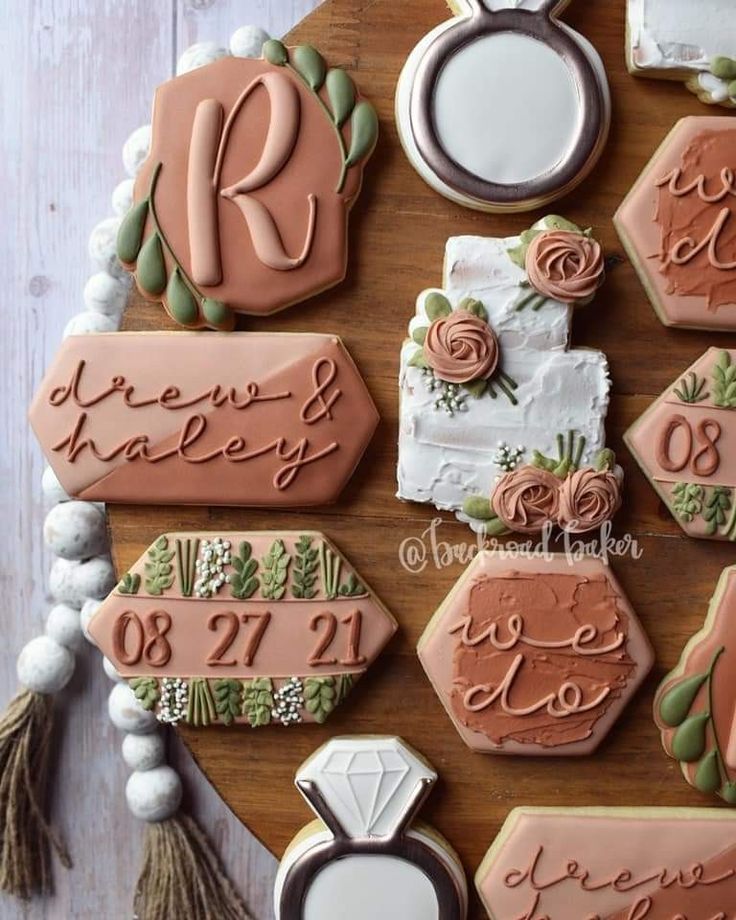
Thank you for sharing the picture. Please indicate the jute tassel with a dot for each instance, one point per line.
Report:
(25, 835)
(182, 878)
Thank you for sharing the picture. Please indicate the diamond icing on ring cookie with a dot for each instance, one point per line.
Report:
(503, 108)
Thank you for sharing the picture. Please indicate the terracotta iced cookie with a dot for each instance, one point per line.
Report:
(695, 704)
(254, 627)
(503, 108)
(242, 205)
(365, 858)
(685, 443)
(678, 225)
(682, 40)
(500, 421)
(611, 864)
(534, 656)
(277, 420)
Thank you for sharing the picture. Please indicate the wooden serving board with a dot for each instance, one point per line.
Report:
(397, 238)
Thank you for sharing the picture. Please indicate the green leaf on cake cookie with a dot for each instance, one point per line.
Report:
(724, 382)
(363, 133)
(677, 702)
(244, 584)
(258, 701)
(471, 305)
(130, 234)
(275, 566)
(181, 301)
(275, 52)
(437, 306)
(319, 697)
(689, 742)
(146, 691)
(311, 65)
(708, 775)
(341, 93)
(151, 267)
(227, 699)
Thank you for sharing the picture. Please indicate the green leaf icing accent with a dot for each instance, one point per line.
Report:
(305, 569)
(605, 460)
(320, 697)
(331, 563)
(275, 52)
(728, 793)
(227, 699)
(479, 508)
(677, 702)
(690, 389)
(341, 92)
(471, 305)
(186, 565)
(244, 584)
(688, 744)
(344, 683)
(517, 254)
(717, 508)
(159, 571)
(129, 583)
(708, 775)
(418, 360)
(275, 571)
(420, 334)
(495, 528)
(181, 301)
(476, 387)
(130, 233)
(364, 133)
(311, 65)
(437, 305)
(201, 708)
(146, 691)
(150, 267)
(688, 500)
(258, 701)
(217, 314)
(723, 67)
(724, 382)
(352, 587)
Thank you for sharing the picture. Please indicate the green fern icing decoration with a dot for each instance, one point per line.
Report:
(723, 389)
(258, 701)
(690, 389)
(130, 583)
(570, 452)
(146, 691)
(688, 500)
(320, 697)
(330, 563)
(159, 570)
(201, 707)
(305, 568)
(275, 571)
(352, 587)
(228, 694)
(717, 509)
(344, 683)
(244, 584)
(186, 565)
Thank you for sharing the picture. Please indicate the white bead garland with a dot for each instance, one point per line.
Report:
(75, 530)
(111, 671)
(62, 625)
(198, 55)
(89, 609)
(102, 247)
(44, 666)
(86, 323)
(52, 489)
(127, 714)
(144, 752)
(135, 150)
(72, 581)
(122, 197)
(248, 41)
(105, 294)
(154, 795)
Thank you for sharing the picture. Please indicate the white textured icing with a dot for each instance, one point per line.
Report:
(495, 134)
(444, 459)
(368, 887)
(680, 35)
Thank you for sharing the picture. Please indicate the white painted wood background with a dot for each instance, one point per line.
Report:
(76, 77)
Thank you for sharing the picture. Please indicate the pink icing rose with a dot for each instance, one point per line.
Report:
(588, 498)
(565, 266)
(461, 347)
(526, 499)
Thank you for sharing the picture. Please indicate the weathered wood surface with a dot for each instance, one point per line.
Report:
(397, 238)
(77, 77)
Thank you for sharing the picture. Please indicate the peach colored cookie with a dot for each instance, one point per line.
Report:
(678, 225)
(535, 656)
(242, 204)
(685, 442)
(275, 420)
(611, 864)
(260, 627)
(695, 704)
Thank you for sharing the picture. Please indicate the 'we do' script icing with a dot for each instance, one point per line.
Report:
(265, 420)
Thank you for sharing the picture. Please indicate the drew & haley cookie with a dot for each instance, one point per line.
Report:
(260, 627)
(678, 224)
(275, 420)
(682, 40)
(366, 858)
(611, 864)
(503, 108)
(242, 205)
(535, 657)
(695, 703)
(685, 443)
(500, 421)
